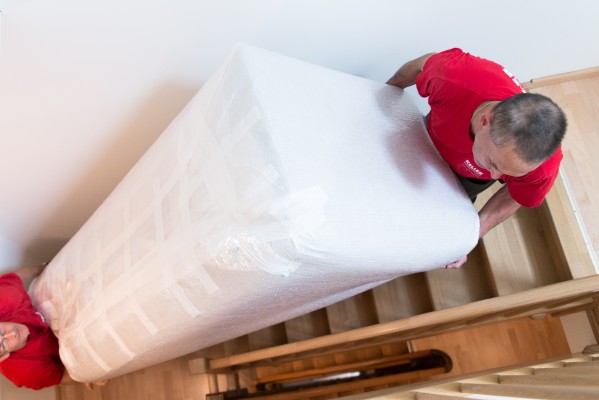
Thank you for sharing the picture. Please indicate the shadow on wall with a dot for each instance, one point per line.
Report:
(109, 169)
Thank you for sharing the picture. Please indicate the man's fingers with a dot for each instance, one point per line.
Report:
(458, 263)
(90, 385)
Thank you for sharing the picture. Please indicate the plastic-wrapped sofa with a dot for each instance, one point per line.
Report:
(281, 188)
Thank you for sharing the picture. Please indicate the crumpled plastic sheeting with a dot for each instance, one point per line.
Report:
(281, 188)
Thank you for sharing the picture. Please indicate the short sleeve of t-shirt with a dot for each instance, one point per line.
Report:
(13, 297)
(531, 191)
(33, 373)
(446, 76)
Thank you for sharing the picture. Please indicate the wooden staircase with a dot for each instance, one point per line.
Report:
(573, 378)
(532, 264)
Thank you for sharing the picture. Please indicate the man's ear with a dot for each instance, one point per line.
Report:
(4, 357)
(486, 119)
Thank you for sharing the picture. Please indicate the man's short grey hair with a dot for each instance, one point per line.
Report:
(533, 122)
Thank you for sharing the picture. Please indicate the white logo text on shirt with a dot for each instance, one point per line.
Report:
(472, 168)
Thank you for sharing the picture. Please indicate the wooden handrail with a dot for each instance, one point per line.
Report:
(559, 78)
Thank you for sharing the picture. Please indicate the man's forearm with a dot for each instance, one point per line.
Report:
(407, 73)
(500, 207)
(28, 273)
(66, 378)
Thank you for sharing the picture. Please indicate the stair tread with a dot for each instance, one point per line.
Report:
(401, 298)
(354, 312)
(518, 252)
(307, 326)
(267, 337)
(567, 380)
(454, 287)
(541, 391)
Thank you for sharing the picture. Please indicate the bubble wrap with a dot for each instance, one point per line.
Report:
(281, 188)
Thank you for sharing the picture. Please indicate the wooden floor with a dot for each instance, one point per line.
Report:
(497, 345)
(579, 100)
(472, 349)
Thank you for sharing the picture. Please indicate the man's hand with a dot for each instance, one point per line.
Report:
(66, 379)
(458, 263)
(91, 385)
(407, 73)
(27, 274)
(500, 207)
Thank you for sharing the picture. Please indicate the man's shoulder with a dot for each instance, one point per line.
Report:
(10, 278)
(550, 167)
(455, 75)
(15, 303)
(12, 294)
(458, 66)
(32, 372)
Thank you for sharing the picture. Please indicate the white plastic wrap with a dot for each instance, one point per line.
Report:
(281, 188)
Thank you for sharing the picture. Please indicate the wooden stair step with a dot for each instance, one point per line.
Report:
(401, 298)
(592, 370)
(237, 345)
(584, 359)
(534, 392)
(439, 396)
(540, 380)
(308, 326)
(354, 312)
(517, 251)
(574, 364)
(570, 245)
(454, 287)
(267, 337)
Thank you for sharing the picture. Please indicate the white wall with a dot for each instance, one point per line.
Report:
(13, 256)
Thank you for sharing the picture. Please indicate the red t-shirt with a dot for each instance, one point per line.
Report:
(456, 83)
(37, 365)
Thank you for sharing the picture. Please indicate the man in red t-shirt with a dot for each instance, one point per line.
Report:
(28, 348)
(487, 128)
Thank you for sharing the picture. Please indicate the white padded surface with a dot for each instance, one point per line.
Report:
(281, 188)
